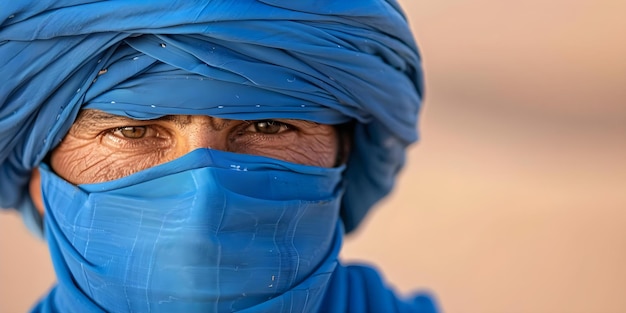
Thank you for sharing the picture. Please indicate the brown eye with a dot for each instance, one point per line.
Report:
(131, 132)
(269, 127)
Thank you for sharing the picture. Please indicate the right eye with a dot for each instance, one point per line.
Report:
(139, 138)
(131, 132)
(268, 127)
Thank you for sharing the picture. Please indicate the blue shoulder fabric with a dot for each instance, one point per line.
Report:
(359, 288)
(357, 60)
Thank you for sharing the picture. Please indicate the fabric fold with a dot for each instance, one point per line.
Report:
(360, 61)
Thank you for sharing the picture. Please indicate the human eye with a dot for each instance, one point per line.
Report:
(291, 140)
(267, 127)
(133, 137)
(134, 132)
(257, 136)
(101, 147)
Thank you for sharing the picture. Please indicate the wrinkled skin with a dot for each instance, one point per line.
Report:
(101, 147)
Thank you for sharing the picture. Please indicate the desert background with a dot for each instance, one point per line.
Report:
(514, 200)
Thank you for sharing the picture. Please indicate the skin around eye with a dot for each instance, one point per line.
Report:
(101, 147)
(131, 132)
(136, 139)
(268, 126)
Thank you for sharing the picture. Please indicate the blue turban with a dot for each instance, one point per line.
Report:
(326, 61)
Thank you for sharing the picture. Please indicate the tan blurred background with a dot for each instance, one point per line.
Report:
(514, 200)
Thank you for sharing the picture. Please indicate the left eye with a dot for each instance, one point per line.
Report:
(131, 132)
(269, 127)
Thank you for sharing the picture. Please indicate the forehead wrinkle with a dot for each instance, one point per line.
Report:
(179, 120)
(218, 123)
(93, 118)
(184, 120)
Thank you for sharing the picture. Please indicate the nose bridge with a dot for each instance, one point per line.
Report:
(207, 132)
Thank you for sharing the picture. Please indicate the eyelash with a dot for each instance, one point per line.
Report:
(283, 127)
(158, 141)
(248, 127)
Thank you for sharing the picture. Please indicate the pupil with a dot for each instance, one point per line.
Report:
(133, 132)
(268, 127)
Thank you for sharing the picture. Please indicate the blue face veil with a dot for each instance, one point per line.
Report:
(323, 61)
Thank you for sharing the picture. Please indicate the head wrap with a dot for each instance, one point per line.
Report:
(327, 61)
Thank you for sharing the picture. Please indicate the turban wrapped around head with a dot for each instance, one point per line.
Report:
(325, 61)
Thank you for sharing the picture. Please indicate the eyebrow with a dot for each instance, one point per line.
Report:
(95, 118)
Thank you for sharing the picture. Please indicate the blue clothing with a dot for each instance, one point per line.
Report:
(211, 231)
(188, 236)
(323, 61)
(362, 292)
(360, 60)
(359, 288)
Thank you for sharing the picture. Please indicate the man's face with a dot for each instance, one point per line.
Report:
(101, 147)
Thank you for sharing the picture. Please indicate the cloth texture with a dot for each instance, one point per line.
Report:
(330, 62)
(297, 59)
(189, 236)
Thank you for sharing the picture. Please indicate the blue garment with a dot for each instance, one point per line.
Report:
(359, 288)
(323, 61)
(189, 236)
(359, 60)
(211, 231)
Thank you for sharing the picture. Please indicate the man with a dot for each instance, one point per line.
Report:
(193, 157)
